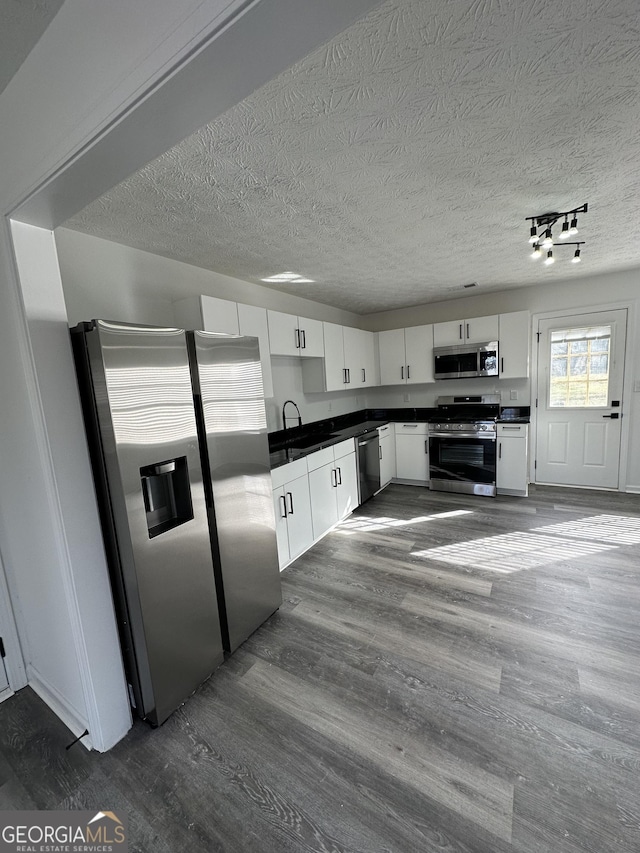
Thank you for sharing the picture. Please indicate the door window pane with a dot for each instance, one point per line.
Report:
(579, 367)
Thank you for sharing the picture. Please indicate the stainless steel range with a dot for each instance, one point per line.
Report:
(462, 444)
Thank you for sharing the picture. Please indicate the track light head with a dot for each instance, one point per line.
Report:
(564, 234)
(533, 234)
(537, 251)
(576, 258)
(547, 243)
(573, 229)
(549, 259)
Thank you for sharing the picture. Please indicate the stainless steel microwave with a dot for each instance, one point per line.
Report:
(464, 361)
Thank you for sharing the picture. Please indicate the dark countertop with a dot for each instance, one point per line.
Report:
(290, 453)
(298, 442)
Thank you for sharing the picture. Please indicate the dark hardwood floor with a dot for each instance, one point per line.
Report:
(447, 673)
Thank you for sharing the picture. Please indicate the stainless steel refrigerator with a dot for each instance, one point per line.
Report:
(178, 439)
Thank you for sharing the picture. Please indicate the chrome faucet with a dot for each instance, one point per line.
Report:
(284, 417)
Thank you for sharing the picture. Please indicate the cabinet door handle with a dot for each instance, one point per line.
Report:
(304, 338)
(364, 375)
(334, 478)
(379, 451)
(348, 376)
(502, 365)
(516, 428)
(467, 331)
(460, 331)
(290, 503)
(283, 514)
(344, 375)
(297, 338)
(402, 372)
(408, 371)
(410, 426)
(426, 445)
(339, 470)
(499, 450)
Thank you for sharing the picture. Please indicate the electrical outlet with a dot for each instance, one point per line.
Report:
(513, 395)
(407, 398)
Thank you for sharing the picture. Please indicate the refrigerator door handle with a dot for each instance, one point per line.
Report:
(334, 478)
(339, 470)
(290, 503)
(284, 507)
(297, 338)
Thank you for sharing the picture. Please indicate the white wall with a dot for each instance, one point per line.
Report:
(108, 280)
(111, 281)
(547, 296)
(66, 608)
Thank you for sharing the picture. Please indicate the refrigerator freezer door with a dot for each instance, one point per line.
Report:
(164, 577)
(229, 376)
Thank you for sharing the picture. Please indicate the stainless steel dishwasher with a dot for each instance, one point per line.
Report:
(368, 465)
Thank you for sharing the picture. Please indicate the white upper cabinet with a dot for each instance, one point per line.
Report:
(406, 355)
(359, 357)
(253, 321)
(515, 331)
(349, 361)
(476, 330)
(207, 314)
(291, 335)
(334, 378)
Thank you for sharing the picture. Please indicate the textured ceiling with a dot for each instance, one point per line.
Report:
(22, 22)
(399, 162)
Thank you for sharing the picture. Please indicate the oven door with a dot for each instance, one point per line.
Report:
(464, 462)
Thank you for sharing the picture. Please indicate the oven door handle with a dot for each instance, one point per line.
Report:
(486, 436)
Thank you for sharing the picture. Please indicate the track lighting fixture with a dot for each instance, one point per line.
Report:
(541, 235)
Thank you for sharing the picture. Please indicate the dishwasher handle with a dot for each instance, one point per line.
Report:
(366, 441)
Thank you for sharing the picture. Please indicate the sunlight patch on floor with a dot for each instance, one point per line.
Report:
(512, 552)
(621, 529)
(362, 524)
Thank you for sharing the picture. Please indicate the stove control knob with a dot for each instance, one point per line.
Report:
(483, 426)
(458, 426)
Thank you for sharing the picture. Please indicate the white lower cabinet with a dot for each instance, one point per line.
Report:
(512, 470)
(292, 504)
(387, 440)
(347, 491)
(333, 485)
(412, 452)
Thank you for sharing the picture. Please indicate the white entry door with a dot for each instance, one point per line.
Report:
(580, 375)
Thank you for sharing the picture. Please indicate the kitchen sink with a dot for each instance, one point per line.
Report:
(310, 440)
